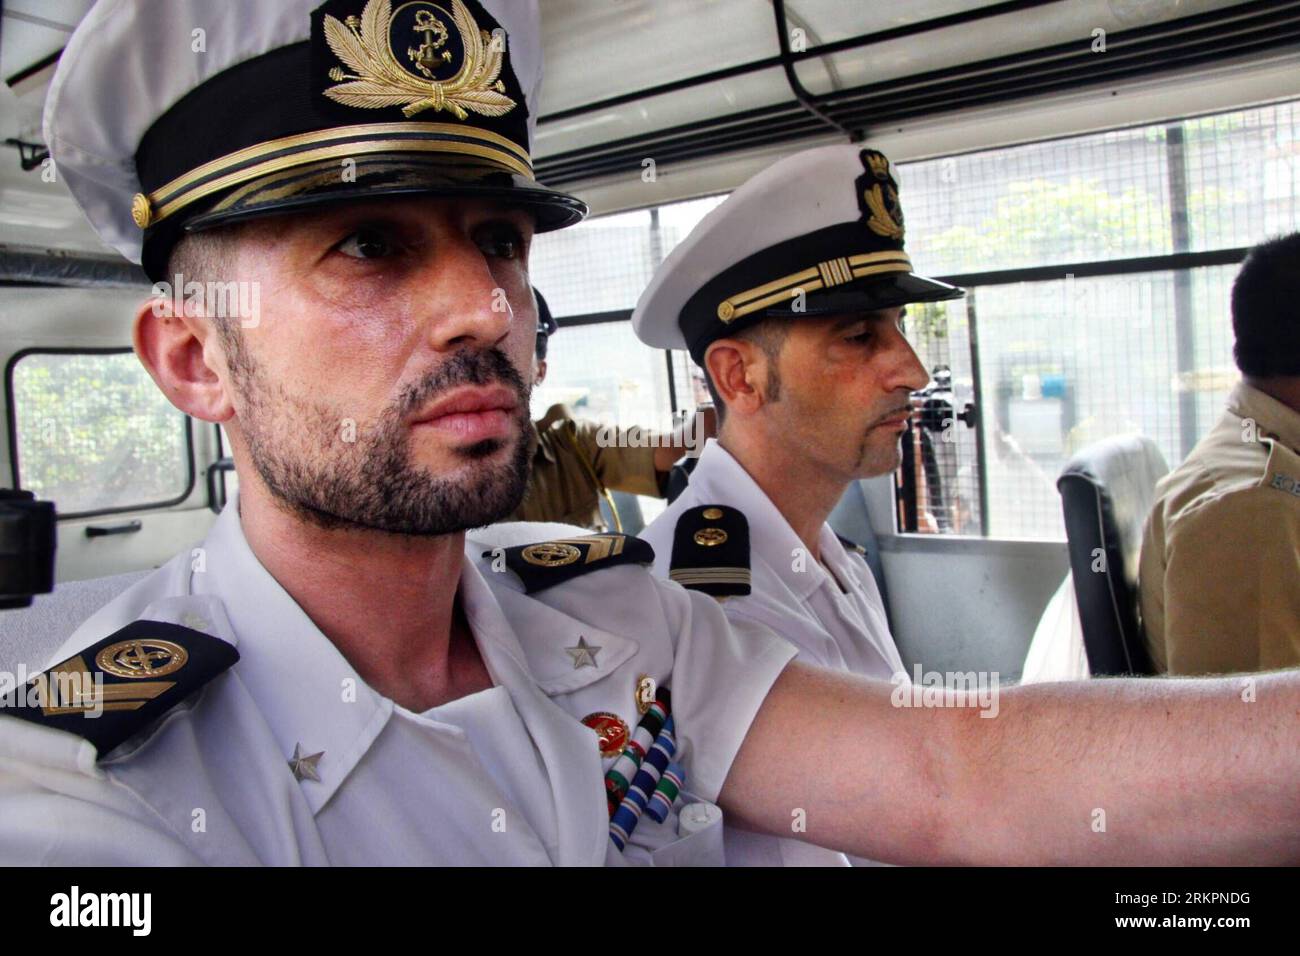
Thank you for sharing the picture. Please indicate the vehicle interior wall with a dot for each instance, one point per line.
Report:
(962, 604)
(597, 59)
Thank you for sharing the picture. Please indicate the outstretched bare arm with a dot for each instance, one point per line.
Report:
(1149, 771)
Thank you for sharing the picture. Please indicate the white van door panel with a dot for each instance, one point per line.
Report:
(87, 429)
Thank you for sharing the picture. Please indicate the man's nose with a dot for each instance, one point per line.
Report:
(462, 302)
(906, 370)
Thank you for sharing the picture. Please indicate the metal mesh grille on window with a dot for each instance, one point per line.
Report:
(605, 263)
(603, 371)
(1060, 363)
(95, 433)
(1066, 362)
(1108, 195)
(940, 454)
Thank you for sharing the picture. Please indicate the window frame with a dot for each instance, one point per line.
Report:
(625, 315)
(973, 281)
(1180, 259)
(11, 416)
(1175, 261)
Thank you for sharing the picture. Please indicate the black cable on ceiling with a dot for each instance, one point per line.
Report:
(1219, 35)
(806, 99)
(826, 49)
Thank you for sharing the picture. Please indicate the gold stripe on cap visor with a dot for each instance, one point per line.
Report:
(181, 192)
(824, 275)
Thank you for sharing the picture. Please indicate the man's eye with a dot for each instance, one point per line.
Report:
(501, 245)
(366, 244)
(863, 337)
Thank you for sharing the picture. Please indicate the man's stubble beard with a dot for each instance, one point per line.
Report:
(879, 460)
(297, 447)
(867, 459)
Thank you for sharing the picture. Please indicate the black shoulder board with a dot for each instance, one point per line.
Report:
(711, 551)
(852, 545)
(120, 685)
(547, 563)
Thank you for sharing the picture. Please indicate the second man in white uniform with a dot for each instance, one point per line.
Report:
(790, 296)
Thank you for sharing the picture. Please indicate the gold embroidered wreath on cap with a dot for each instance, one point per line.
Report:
(380, 80)
(881, 222)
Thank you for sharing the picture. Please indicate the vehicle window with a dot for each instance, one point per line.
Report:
(93, 433)
(1098, 271)
(592, 276)
(605, 263)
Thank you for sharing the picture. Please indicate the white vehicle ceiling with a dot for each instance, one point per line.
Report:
(713, 89)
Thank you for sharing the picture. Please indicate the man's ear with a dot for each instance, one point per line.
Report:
(540, 374)
(739, 372)
(176, 351)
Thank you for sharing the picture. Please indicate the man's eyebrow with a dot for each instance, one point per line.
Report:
(521, 219)
(851, 320)
(522, 222)
(329, 221)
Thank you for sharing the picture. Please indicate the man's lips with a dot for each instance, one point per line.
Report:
(897, 419)
(472, 414)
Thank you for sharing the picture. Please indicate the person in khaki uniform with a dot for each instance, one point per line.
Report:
(571, 468)
(1220, 567)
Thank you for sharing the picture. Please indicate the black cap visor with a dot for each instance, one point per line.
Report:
(375, 176)
(870, 294)
(391, 174)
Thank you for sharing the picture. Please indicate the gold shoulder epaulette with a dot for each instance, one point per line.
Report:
(117, 687)
(711, 551)
(548, 563)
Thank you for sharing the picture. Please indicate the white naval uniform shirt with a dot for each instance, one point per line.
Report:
(505, 776)
(835, 618)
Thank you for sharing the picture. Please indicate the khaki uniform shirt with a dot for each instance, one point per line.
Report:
(571, 470)
(1220, 567)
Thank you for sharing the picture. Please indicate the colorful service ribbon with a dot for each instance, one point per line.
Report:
(643, 785)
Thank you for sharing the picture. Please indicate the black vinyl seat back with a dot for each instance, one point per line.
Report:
(1107, 491)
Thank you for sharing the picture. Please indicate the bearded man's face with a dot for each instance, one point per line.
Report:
(382, 386)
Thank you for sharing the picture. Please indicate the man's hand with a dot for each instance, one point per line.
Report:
(688, 437)
(1153, 771)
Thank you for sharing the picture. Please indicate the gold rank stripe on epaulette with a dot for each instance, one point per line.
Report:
(711, 551)
(690, 577)
(120, 685)
(548, 563)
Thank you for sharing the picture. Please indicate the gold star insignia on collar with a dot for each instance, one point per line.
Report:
(304, 767)
(583, 654)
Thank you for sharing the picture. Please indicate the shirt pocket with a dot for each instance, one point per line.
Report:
(701, 848)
